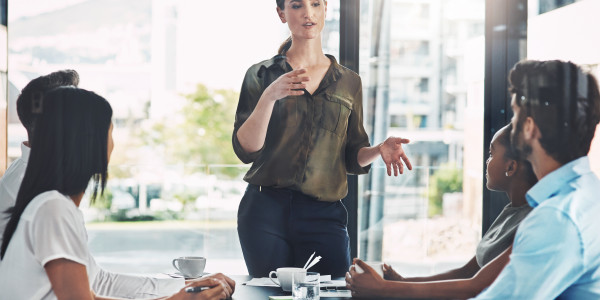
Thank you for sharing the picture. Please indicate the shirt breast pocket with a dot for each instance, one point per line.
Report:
(335, 114)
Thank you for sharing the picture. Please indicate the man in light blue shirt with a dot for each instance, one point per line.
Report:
(556, 251)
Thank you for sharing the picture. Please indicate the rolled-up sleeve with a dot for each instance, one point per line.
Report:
(357, 136)
(249, 96)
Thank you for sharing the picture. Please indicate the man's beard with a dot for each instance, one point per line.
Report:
(517, 142)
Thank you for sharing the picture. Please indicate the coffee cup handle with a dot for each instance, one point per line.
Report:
(271, 273)
(175, 265)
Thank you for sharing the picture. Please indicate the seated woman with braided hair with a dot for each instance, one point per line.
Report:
(506, 172)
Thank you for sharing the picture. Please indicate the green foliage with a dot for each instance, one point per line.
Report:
(200, 133)
(447, 179)
(103, 201)
(186, 198)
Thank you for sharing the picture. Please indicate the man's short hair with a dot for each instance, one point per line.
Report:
(564, 102)
(35, 89)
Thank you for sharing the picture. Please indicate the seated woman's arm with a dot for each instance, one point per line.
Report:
(466, 271)
(70, 282)
(369, 284)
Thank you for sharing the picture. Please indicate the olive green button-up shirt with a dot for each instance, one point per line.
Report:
(312, 141)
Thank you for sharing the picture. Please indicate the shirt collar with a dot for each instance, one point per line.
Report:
(552, 183)
(281, 62)
(24, 152)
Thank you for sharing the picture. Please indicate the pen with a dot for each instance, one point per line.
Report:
(196, 289)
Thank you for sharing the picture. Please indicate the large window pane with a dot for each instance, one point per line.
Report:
(422, 64)
(172, 70)
(566, 30)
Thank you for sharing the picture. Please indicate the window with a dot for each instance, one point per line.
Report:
(171, 71)
(415, 221)
(548, 39)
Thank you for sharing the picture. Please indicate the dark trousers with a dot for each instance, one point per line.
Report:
(282, 228)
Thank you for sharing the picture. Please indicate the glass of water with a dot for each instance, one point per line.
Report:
(305, 286)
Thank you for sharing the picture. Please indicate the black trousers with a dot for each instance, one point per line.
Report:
(282, 228)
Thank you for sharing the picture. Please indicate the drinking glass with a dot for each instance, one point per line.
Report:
(305, 286)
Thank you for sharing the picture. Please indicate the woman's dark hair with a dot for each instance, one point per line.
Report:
(285, 46)
(33, 91)
(68, 148)
(510, 153)
(564, 102)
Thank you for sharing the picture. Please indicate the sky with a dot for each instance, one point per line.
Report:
(26, 8)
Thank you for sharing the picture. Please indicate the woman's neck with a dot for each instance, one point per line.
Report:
(516, 194)
(76, 198)
(306, 53)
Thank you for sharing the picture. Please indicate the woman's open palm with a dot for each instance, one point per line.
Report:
(393, 155)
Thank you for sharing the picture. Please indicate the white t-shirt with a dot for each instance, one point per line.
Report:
(103, 282)
(9, 186)
(50, 228)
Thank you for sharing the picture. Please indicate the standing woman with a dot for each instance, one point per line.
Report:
(299, 122)
(44, 251)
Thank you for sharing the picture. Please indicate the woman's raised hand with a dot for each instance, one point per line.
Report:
(393, 155)
(288, 84)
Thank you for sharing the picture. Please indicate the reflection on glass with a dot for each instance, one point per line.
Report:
(172, 71)
(422, 68)
(548, 39)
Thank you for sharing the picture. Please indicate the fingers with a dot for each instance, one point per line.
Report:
(401, 168)
(348, 281)
(388, 166)
(207, 281)
(366, 268)
(297, 86)
(231, 283)
(217, 292)
(406, 161)
(352, 272)
(395, 165)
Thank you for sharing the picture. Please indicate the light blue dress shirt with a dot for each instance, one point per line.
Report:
(556, 251)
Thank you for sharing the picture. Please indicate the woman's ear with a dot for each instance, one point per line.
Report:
(281, 14)
(511, 168)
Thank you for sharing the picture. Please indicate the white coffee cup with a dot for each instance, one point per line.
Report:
(284, 277)
(190, 266)
(377, 266)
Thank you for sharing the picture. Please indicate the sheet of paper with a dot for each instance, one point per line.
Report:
(265, 281)
(334, 293)
(333, 283)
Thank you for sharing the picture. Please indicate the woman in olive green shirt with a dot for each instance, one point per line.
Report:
(299, 122)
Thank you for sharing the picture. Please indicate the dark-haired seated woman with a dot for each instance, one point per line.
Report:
(506, 173)
(44, 251)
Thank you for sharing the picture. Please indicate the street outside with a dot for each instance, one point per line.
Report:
(150, 247)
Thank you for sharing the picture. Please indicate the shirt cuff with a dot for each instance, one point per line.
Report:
(169, 286)
(244, 156)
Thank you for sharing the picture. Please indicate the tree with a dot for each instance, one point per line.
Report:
(200, 134)
(447, 179)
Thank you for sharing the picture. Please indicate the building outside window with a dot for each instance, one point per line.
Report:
(422, 66)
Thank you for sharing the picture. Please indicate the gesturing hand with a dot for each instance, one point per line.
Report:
(288, 84)
(393, 155)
